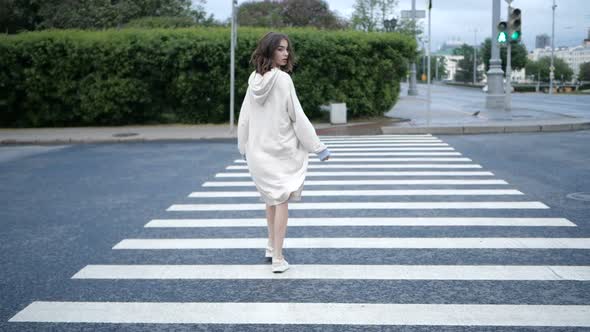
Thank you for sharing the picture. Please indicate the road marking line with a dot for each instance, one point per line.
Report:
(384, 145)
(363, 206)
(364, 182)
(362, 243)
(372, 166)
(368, 221)
(305, 313)
(350, 160)
(391, 149)
(375, 136)
(356, 272)
(405, 140)
(393, 173)
(323, 193)
(383, 154)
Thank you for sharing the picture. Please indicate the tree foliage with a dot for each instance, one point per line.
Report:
(289, 13)
(421, 66)
(465, 66)
(518, 56)
(409, 27)
(584, 74)
(18, 15)
(541, 67)
(369, 15)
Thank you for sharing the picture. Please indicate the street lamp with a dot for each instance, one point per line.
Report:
(390, 24)
(233, 35)
(552, 68)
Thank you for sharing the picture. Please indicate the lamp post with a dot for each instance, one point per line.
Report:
(474, 56)
(552, 68)
(413, 90)
(495, 95)
(232, 65)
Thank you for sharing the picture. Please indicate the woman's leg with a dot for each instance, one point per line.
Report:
(280, 229)
(270, 221)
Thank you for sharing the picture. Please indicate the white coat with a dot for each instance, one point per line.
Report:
(276, 137)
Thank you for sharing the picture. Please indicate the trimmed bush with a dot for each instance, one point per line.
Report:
(133, 76)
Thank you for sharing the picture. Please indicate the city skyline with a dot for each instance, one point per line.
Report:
(572, 18)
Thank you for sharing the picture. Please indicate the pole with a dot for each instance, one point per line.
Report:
(474, 56)
(232, 69)
(495, 97)
(413, 90)
(551, 74)
(508, 95)
(428, 56)
(436, 69)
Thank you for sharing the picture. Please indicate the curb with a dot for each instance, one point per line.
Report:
(100, 141)
(376, 128)
(486, 129)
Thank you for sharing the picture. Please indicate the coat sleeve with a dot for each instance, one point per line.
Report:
(243, 124)
(303, 128)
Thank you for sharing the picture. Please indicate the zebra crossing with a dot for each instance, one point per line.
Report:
(365, 187)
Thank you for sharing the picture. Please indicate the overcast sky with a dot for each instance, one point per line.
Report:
(457, 19)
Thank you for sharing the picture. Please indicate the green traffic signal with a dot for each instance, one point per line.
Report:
(502, 34)
(515, 25)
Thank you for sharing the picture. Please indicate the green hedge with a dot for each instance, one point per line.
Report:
(133, 76)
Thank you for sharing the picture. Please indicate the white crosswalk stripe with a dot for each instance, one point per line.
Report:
(409, 213)
(357, 272)
(367, 221)
(380, 174)
(368, 166)
(372, 160)
(323, 193)
(363, 206)
(306, 313)
(349, 242)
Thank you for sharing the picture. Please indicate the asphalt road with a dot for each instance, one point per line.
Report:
(63, 208)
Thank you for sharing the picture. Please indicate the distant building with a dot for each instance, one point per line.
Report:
(573, 56)
(542, 41)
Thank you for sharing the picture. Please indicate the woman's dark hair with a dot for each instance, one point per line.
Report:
(263, 55)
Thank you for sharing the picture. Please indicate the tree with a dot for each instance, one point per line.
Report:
(584, 74)
(541, 67)
(369, 15)
(465, 66)
(442, 66)
(301, 13)
(263, 14)
(285, 13)
(406, 26)
(18, 15)
(518, 56)
(91, 14)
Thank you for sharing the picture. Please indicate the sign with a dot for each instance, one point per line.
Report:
(408, 14)
(552, 68)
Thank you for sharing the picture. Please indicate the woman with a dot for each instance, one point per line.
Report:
(275, 137)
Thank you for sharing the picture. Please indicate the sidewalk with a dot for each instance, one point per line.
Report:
(466, 113)
(452, 112)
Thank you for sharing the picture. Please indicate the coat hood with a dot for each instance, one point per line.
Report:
(261, 85)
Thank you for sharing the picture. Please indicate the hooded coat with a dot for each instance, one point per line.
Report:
(276, 137)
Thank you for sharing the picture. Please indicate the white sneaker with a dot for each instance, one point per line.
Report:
(280, 266)
(268, 253)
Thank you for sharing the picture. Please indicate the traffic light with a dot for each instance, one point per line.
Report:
(514, 25)
(502, 32)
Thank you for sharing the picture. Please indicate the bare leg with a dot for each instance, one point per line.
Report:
(280, 229)
(270, 221)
